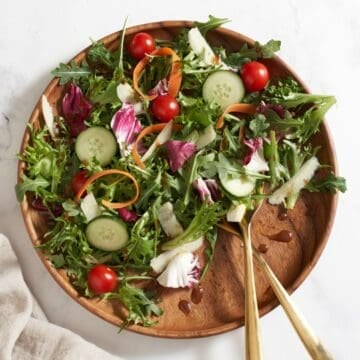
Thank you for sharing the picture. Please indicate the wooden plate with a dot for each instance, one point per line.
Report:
(222, 308)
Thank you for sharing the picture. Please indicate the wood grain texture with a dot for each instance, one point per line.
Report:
(222, 307)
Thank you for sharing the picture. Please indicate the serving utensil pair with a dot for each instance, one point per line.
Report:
(253, 348)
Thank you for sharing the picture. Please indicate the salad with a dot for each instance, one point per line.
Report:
(154, 146)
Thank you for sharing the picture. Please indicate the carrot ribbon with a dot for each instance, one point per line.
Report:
(240, 108)
(175, 73)
(146, 131)
(108, 204)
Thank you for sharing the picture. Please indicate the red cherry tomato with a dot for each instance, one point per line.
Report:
(165, 108)
(79, 180)
(101, 279)
(255, 76)
(142, 43)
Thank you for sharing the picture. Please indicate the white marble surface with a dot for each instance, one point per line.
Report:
(320, 40)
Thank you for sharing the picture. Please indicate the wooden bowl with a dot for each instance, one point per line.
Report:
(222, 308)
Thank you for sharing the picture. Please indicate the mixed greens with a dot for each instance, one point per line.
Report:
(155, 144)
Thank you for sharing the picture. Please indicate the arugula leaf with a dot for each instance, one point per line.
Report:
(331, 183)
(309, 122)
(282, 88)
(142, 244)
(285, 93)
(211, 24)
(58, 261)
(103, 92)
(232, 142)
(71, 207)
(71, 72)
(197, 113)
(314, 116)
(139, 304)
(269, 49)
(100, 59)
(28, 184)
(181, 43)
(195, 73)
(205, 219)
(246, 53)
(151, 187)
(47, 161)
(158, 69)
(121, 50)
(258, 126)
(271, 152)
(287, 125)
(68, 238)
(211, 237)
(293, 155)
(189, 173)
(293, 100)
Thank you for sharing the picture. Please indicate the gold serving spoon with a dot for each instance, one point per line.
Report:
(311, 342)
(252, 328)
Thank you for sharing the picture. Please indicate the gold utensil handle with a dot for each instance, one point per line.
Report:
(306, 334)
(252, 330)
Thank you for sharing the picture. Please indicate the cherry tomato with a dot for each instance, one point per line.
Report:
(101, 279)
(79, 180)
(142, 43)
(255, 76)
(165, 108)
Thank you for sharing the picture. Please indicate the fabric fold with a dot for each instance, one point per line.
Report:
(25, 333)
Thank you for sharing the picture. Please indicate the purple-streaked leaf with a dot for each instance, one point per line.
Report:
(178, 153)
(160, 89)
(203, 191)
(128, 215)
(57, 210)
(182, 271)
(125, 126)
(253, 145)
(38, 204)
(75, 109)
(262, 108)
(213, 187)
(162, 138)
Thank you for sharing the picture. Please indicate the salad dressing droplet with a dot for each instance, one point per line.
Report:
(282, 236)
(263, 248)
(197, 294)
(283, 214)
(184, 306)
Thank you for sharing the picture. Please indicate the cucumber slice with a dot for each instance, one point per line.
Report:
(96, 142)
(107, 233)
(224, 88)
(237, 186)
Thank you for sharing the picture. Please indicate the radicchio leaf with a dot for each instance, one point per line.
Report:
(253, 145)
(207, 190)
(160, 89)
(254, 160)
(203, 191)
(128, 215)
(178, 153)
(182, 271)
(125, 126)
(262, 108)
(213, 188)
(75, 109)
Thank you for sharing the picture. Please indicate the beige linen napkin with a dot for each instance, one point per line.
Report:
(25, 333)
